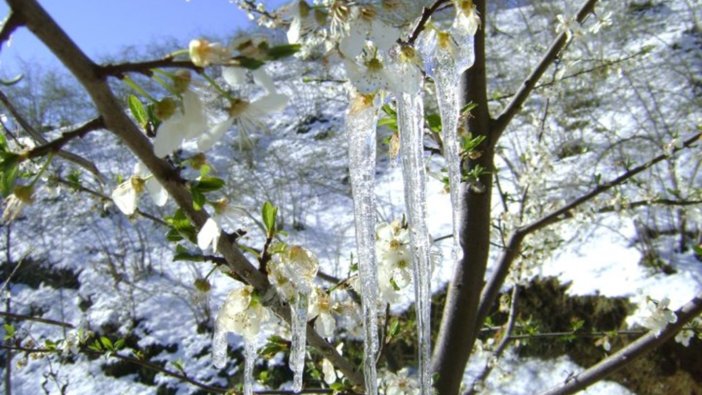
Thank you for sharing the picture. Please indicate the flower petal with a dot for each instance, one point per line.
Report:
(207, 140)
(125, 197)
(157, 192)
(208, 235)
(234, 76)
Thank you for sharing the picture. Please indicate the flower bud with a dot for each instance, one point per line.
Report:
(165, 108)
(181, 81)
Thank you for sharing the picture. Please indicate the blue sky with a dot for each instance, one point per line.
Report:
(102, 27)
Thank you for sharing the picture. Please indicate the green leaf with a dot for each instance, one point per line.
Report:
(389, 110)
(434, 121)
(183, 254)
(269, 212)
(138, 111)
(248, 63)
(208, 184)
(199, 199)
(283, 51)
(106, 343)
(49, 345)
(394, 328)
(119, 344)
(9, 170)
(697, 249)
(391, 123)
(96, 346)
(9, 331)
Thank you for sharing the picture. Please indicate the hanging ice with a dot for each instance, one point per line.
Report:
(361, 124)
(410, 115)
(249, 360)
(449, 60)
(293, 272)
(299, 339)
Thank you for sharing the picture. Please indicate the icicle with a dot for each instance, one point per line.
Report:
(249, 360)
(410, 116)
(361, 127)
(449, 63)
(299, 339)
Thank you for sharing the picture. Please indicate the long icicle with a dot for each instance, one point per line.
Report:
(361, 124)
(410, 114)
(299, 339)
(249, 360)
(448, 66)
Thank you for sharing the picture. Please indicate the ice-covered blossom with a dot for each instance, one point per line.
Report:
(467, 17)
(203, 53)
(20, 197)
(369, 77)
(242, 313)
(187, 122)
(366, 25)
(209, 234)
(659, 316)
(400, 383)
(405, 72)
(394, 260)
(321, 307)
(126, 195)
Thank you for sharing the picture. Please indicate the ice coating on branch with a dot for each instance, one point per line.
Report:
(361, 122)
(410, 117)
(249, 360)
(293, 272)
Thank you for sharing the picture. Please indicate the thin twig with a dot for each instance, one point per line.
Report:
(427, 12)
(40, 139)
(21, 317)
(66, 137)
(145, 68)
(530, 82)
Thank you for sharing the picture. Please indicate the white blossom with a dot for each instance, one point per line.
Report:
(394, 260)
(659, 316)
(366, 25)
(126, 195)
(203, 53)
(188, 122)
(209, 235)
(400, 383)
(321, 308)
(683, 337)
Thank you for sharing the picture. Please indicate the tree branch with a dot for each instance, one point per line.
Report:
(427, 12)
(621, 358)
(492, 288)
(145, 68)
(40, 139)
(117, 121)
(530, 82)
(20, 317)
(66, 137)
